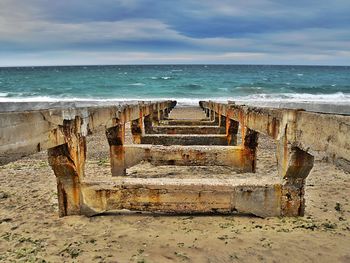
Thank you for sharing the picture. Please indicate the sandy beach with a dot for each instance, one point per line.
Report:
(31, 231)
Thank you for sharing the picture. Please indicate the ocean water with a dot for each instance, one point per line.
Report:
(185, 83)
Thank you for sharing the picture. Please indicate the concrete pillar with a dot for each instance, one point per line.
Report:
(161, 114)
(136, 130)
(155, 117)
(294, 165)
(116, 138)
(231, 131)
(166, 113)
(67, 162)
(207, 113)
(250, 142)
(222, 122)
(148, 124)
(212, 115)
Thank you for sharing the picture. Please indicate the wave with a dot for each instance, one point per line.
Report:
(164, 78)
(335, 98)
(137, 84)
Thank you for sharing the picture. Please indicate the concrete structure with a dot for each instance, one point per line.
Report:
(299, 134)
(160, 140)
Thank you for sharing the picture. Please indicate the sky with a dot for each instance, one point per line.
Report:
(86, 32)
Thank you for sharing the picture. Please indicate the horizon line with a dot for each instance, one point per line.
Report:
(176, 64)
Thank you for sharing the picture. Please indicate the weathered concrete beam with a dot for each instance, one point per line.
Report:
(184, 122)
(24, 133)
(187, 130)
(184, 139)
(183, 196)
(309, 131)
(236, 157)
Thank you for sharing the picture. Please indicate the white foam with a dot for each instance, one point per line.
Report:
(3, 94)
(137, 84)
(335, 98)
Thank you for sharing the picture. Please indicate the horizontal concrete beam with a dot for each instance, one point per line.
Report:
(168, 195)
(24, 133)
(182, 139)
(189, 122)
(188, 129)
(310, 131)
(233, 156)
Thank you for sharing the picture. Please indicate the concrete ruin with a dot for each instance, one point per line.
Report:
(163, 141)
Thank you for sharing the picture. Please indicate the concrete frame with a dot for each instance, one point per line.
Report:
(298, 135)
(63, 132)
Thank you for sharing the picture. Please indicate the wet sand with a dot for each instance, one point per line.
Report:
(31, 231)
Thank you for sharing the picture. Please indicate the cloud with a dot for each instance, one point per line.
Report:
(202, 30)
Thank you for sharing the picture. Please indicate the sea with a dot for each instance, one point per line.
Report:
(186, 83)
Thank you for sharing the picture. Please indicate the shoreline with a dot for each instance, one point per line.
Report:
(341, 108)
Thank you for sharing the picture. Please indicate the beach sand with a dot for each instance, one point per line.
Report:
(30, 229)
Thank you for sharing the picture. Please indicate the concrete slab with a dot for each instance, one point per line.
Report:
(182, 196)
(184, 139)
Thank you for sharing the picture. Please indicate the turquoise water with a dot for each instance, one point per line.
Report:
(187, 83)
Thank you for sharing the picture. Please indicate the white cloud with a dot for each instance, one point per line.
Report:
(25, 26)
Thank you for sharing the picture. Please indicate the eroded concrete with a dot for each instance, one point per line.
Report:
(298, 134)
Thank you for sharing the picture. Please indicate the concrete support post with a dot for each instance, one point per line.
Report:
(161, 115)
(222, 122)
(231, 131)
(212, 115)
(155, 117)
(166, 113)
(67, 162)
(250, 142)
(116, 138)
(294, 165)
(136, 130)
(148, 124)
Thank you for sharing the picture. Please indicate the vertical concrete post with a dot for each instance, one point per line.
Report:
(155, 115)
(116, 138)
(232, 127)
(166, 113)
(137, 128)
(218, 118)
(222, 122)
(231, 131)
(294, 165)
(207, 113)
(161, 115)
(67, 162)
(212, 115)
(148, 124)
(250, 142)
